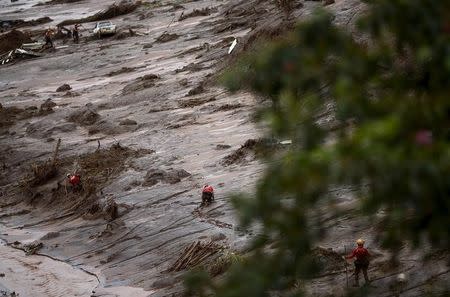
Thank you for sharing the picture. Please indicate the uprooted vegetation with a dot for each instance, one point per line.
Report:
(198, 12)
(46, 183)
(12, 114)
(195, 102)
(114, 10)
(166, 37)
(141, 83)
(245, 153)
(195, 254)
(215, 258)
(12, 40)
(22, 23)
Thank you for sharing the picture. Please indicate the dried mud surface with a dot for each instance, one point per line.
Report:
(146, 126)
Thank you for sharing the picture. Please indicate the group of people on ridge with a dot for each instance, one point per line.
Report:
(49, 34)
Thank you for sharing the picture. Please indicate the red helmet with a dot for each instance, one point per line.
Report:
(207, 189)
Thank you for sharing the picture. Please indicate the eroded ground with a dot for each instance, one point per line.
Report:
(154, 94)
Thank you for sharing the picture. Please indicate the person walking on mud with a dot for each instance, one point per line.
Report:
(76, 33)
(207, 195)
(362, 261)
(48, 36)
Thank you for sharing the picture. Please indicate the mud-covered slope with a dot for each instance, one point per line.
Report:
(152, 91)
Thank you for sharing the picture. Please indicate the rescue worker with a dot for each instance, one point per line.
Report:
(48, 35)
(362, 256)
(75, 181)
(76, 33)
(207, 195)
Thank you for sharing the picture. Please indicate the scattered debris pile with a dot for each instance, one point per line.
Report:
(44, 181)
(10, 47)
(42, 172)
(104, 164)
(195, 91)
(13, 40)
(171, 176)
(223, 263)
(195, 254)
(121, 71)
(198, 12)
(108, 210)
(195, 102)
(9, 115)
(12, 24)
(123, 7)
(32, 247)
(141, 83)
(16, 54)
(228, 107)
(166, 37)
(245, 153)
(84, 116)
(328, 259)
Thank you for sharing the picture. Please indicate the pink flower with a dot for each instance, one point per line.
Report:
(424, 137)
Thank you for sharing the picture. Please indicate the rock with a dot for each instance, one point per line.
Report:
(150, 77)
(184, 82)
(195, 91)
(147, 45)
(222, 146)
(166, 37)
(48, 105)
(50, 235)
(127, 122)
(218, 237)
(141, 83)
(2, 275)
(64, 88)
(328, 2)
(154, 176)
(84, 116)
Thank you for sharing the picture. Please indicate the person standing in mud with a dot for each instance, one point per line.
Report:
(48, 35)
(75, 182)
(76, 33)
(207, 195)
(362, 261)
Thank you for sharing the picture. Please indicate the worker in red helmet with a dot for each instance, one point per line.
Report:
(207, 195)
(75, 181)
(362, 256)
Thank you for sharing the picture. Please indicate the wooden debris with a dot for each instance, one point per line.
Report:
(194, 254)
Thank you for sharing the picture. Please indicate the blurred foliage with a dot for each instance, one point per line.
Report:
(388, 98)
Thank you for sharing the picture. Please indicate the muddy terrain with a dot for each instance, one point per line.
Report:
(141, 117)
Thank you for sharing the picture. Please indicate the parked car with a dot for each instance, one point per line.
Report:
(104, 28)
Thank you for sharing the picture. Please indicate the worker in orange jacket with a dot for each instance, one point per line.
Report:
(362, 261)
(207, 195)
(75, 181)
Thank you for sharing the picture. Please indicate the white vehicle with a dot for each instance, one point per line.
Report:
(104, 28)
